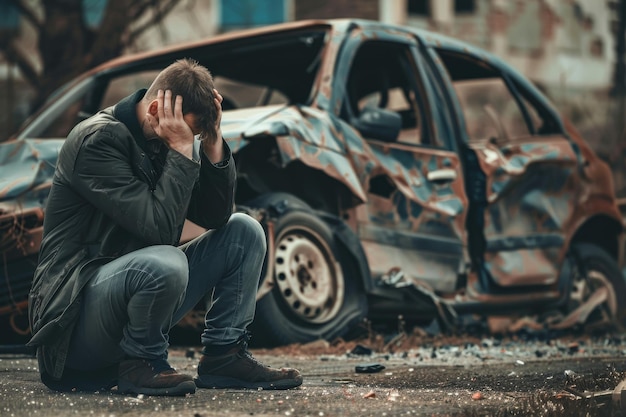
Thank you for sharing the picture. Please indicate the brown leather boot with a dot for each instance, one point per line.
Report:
(237, 368)
(152, 377)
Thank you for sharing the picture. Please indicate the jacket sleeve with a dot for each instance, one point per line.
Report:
(103, 174)
(213, 197)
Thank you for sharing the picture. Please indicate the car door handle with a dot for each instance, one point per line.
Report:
(441, 175)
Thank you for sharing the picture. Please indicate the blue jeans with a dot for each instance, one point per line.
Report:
(132, 302)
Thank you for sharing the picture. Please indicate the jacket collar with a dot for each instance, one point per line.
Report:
(125, 111)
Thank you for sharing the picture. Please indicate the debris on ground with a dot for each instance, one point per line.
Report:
(369, 368)
(477, 396)
(610, 399)
(361, 350)
(370, 394)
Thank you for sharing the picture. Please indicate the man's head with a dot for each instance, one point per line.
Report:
(194, 83)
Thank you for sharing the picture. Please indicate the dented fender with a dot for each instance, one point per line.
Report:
(303, 134)
(342, 234)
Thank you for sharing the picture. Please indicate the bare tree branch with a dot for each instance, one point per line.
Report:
(109, 41)
(15, 55)
(139, 8)
(66, 46)
(27, 11)
(162, 9)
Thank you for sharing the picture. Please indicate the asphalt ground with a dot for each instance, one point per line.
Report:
(460, 377)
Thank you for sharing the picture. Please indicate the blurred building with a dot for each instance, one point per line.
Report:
(565, 43)
(562, 45)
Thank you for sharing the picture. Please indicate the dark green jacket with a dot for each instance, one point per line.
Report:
(113, 192)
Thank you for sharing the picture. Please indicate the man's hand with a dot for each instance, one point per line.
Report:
(213, 146)
(170, 126)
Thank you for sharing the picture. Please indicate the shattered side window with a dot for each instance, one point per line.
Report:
(238, 94)
(541, 119)
(382, 76)
(65, 121)
(492, 107)
(124, 86)
(490, 110)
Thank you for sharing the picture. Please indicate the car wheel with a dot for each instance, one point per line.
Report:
(316, 292)
(597, 290)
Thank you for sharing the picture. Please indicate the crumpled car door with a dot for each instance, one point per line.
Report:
(523, 177)
(414, 216)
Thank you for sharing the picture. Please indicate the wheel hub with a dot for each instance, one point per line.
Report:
(309, 280)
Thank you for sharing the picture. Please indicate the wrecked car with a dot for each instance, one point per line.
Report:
(395, 171)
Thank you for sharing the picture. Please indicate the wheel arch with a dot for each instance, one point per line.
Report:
(262, 168)
(347, 241)
(274, 211)
(603, 231)
(351, 245)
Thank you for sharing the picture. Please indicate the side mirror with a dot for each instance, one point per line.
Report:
(376, 123)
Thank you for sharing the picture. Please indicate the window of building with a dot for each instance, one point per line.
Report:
(9, 16)
(93, 11)
(419, 7)
(422, 8)
(464, 6)
(250, 13)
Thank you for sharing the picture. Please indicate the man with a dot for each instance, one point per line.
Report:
(111, 281)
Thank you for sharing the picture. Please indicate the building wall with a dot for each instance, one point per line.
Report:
(325, 9)
(565, 42)
(568, 43)
(566, 46)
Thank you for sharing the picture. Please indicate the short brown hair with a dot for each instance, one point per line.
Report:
(194, 82)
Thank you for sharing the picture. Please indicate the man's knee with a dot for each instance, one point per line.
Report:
(168, 265)
(249, 231)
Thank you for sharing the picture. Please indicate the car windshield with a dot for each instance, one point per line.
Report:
(275, 68)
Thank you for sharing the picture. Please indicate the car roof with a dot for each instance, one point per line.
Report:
(336, 26)
(286, 28)
(339, 25)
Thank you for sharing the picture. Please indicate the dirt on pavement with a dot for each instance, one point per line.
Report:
(425, 376)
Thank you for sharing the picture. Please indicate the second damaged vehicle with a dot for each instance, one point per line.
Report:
(395, 171)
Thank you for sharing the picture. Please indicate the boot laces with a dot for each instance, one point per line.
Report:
(243, 348)
(159, 365)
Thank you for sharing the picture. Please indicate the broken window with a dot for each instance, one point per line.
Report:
(123, 86)
(491, 109)
(247, 72)
(383, 76)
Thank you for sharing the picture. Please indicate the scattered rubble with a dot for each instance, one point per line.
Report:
(477, 396)
(368, 368)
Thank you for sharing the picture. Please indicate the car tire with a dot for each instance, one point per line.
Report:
(317, 293)
(595, 268)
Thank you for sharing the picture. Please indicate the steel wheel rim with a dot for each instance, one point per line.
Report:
(308, 278)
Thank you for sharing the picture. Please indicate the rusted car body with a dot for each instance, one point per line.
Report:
(396, 172)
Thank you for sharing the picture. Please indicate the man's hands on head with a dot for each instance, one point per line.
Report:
(213, 146)
(170, 125)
